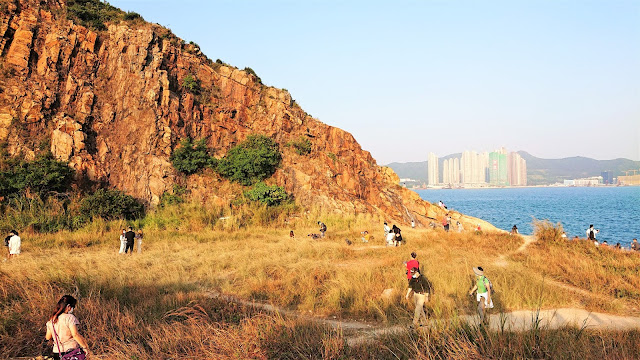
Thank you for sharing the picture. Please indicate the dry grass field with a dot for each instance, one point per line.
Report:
(156, 304)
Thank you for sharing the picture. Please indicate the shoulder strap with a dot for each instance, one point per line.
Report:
(55, 336)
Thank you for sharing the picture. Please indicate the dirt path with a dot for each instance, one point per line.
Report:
(502, 259)
(357, 332)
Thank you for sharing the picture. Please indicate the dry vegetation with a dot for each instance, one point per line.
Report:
(155, 305)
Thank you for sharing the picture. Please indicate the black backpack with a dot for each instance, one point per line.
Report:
(6, 240)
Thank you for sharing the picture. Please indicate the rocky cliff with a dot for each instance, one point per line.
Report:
(113, 104)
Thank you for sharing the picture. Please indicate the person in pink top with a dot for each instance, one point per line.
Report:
(413, 263)
(62, 327)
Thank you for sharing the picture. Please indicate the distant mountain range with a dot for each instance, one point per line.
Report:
(539, 171)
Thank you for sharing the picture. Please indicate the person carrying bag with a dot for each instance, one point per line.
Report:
(62, 328)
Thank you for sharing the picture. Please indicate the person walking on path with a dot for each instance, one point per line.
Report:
(14, 244)
(591, 233)
(130, 236)
(410, 264)
(387, 229)
(62, 327)
(139, 237)
(420, 286)
(323, 228)
(483, 288)
(123, 241)
(635, 245)
(514, 230)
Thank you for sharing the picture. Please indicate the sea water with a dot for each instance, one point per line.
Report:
(613, 210)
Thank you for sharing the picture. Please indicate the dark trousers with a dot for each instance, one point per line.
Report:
(129, 247)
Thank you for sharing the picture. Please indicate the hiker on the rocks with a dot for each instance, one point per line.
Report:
(123, 241)
(62, 327)
(514, 230)
(460, 227)
(420, 286)
(591, 233)
(387, 229)
(446, 221)
(398, 235)
(130, 236)
(635, 245)
(139, 237)
(323, 228)
(413, 224)
(410, 264)
(442, 205)
(483, 287)
(14, 244)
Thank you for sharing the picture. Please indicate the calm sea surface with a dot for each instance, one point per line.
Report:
(613, 210)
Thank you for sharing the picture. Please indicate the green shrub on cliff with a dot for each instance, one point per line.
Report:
(190, 158)
(93, 13)
(268, 195)
(111, 204)
(302, 146)
(41, 176)
(252, 160)
(191, 84)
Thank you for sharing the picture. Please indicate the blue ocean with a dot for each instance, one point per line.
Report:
(613, 210)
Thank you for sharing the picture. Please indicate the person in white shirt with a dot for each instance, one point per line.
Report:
(14, 244)
(123, 242)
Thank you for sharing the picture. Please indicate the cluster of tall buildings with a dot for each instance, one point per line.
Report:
(497, 168)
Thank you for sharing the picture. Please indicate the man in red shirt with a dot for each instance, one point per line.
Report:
(413, 263)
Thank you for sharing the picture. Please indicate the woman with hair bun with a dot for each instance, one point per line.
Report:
(62, 328)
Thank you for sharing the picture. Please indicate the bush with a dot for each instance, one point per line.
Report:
(268, 195)
(41, 176)
(190, 158)
(173, 198)
(132, 15)
(110, 205)
(545, 231)
(94, 13)
(191, 84)
(251, 72)
(253, 160)
(302, 146)
(40, 215)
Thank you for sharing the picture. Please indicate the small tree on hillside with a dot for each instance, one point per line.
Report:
(253, 160)
(190, 158)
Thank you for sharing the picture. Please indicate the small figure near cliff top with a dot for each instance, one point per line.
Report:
(323, 228)
(635, 245)
(291, 235)
(514, 230)
(460, 227)
(442, 205)
(591, 233)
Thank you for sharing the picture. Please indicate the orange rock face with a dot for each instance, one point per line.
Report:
(113, 105)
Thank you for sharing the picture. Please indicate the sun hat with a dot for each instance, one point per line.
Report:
(415, 270)
(478, 271)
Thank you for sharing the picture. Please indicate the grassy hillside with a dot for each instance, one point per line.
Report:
(157, 304)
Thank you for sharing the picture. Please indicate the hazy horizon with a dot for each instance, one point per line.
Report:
(557, 79)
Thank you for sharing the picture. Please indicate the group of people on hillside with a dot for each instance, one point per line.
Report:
(591, 234)
(392, 235)
(421, 287)
(128, 238)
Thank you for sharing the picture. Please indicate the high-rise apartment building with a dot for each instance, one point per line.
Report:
(433, 175)
(517, 170)
(451, 171)
(498, 175)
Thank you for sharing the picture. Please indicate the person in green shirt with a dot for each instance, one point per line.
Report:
(483, 296)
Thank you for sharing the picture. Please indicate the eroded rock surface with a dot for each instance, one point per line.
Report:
(112, 104)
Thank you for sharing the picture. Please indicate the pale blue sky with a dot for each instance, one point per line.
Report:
(555, 78)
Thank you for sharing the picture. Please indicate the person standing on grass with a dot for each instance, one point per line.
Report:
(410, 264)
(123, 241)
(483, 288)
(460, 227)
(398, 235)
(591, 233)
(130, 236)
(62, 327)
(635, 245)
(446, 221)
(14, 244)
(387, 229)
(420, 286)
(139, 237)
(514, 230)
(323, 228)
